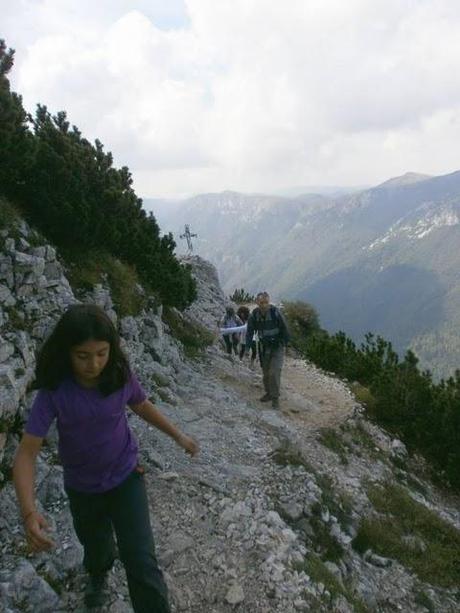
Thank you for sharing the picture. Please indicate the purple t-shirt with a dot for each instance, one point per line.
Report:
(96, 447)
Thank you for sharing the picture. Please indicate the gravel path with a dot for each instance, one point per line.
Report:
(307, 394)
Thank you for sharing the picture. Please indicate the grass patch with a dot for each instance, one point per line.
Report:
(16, 319)
(361, 441)
(35, 239)
(331, 439)
(9, 214)
(288, 455)
(316, 569)
(339, 504)
(405, 478)
(363, 395)
(194, 337)
(53, 581)
(326, 546)
(401, 516)
(86, 270)
(360, 436)
(421, 598)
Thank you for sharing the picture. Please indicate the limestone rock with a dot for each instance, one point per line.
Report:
(235, 594)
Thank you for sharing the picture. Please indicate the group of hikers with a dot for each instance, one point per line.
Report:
(262, 332)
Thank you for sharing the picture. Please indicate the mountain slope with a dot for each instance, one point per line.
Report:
(385, 259)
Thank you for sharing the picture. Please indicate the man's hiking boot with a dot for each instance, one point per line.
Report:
(265, 398)
(275, 404)
(96, 593)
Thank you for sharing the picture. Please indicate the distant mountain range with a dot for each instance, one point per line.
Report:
(384, 259)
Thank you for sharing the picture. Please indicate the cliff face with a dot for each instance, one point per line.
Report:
(269, 517)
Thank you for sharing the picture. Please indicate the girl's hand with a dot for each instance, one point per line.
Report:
(35, 526)
(188, 444)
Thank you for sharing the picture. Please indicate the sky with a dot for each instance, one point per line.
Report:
(200, 96)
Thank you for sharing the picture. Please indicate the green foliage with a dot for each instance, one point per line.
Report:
(425, 414)
(85, 270)
(16, 319)
(193, 336)
(330, 438)
(302, 320)
(338, 353)
(17, 143)
(315, 568)
(288, 455)
(8, 214)
(241, 296)
(363, 395)
(69, 189)
(338, 503)
(421, 598)
(409, 532)
(326, 545)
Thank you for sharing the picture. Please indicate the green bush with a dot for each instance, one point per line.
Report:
(424, 414)
(85, 270)
(331, 438)
(241, 296)
(17, 143)
(433, 548)
(194, 337)
(8, 214)
(315, 568)
(302, 320)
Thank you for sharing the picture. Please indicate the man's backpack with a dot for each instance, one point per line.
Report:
(274, 314)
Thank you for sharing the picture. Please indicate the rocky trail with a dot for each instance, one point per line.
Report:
(308, 396)
(236, 485)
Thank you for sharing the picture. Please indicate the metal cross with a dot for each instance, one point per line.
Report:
(188, 236)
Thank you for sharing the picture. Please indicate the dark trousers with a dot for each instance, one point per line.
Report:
(124, 509)
(231, 341)
(272, 363)
(253, 351)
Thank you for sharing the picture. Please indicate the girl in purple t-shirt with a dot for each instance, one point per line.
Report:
(85, 384)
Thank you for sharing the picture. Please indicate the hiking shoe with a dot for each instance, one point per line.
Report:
(265, 398)
(275, 404)
(96, 591)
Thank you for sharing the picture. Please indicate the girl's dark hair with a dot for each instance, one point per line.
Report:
(243, 313)
(81, 323)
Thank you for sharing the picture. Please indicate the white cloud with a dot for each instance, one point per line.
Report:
(249, 94)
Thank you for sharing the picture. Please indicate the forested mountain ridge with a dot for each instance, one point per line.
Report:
(385, 259)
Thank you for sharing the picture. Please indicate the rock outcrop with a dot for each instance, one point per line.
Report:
(264, 519)
(209, 306)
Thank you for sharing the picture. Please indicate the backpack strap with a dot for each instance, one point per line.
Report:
(274, 314)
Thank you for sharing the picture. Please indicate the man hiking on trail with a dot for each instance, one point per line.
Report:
(269, 323)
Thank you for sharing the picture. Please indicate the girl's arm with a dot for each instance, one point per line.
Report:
(152, 415)
(24, 479)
